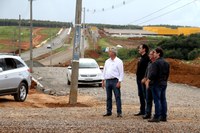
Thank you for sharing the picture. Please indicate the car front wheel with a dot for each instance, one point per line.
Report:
(21, 94)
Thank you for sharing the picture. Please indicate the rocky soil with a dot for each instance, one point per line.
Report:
(52, 113)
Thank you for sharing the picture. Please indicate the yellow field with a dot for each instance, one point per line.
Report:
(169, 31)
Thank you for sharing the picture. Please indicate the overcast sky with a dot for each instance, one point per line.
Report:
(108, 11)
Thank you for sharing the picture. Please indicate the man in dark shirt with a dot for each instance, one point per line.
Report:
(149, 97)
(140, 73)
(159, 75)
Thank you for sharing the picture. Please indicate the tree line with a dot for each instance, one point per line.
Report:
(102, 26)
(177, 47)
(167, 26)
(36, 23)
(182, 47)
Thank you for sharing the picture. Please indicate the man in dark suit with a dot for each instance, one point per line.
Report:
(140, 73)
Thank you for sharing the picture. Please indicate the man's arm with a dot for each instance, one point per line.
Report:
(121, 73)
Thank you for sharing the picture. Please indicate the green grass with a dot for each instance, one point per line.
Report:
(11, 33)
(7, 32)
(103, 43)
(5, 47)
(2, 46)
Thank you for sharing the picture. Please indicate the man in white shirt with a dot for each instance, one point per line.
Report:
(113, 74)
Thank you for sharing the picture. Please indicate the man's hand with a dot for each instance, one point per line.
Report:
(147, 83)
(118, 85)
(144, 80)
(103, 84)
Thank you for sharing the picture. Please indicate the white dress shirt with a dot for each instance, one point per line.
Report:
(113, 69)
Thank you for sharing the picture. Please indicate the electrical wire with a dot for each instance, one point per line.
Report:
(167, 13)
(155, 11)
(125, 2)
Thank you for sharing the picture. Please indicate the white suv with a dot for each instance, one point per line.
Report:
(15, 78)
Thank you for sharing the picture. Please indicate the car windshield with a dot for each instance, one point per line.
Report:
(88, 65)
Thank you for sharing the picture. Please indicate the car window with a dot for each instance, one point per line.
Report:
(18, 63)
(10, 64)
(2, 64)
(88, 65)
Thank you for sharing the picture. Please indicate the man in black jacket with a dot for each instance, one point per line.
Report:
(159, 75)
(140, 73)
(149, 96)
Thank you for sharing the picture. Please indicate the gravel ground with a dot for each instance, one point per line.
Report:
(183, 109)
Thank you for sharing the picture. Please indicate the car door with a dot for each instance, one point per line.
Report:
(3, 76)
(12, 77)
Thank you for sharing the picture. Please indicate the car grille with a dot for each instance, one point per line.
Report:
(92, 75)
(94, 81)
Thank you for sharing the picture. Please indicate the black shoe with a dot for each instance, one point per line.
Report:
(163, 119)
(107, 114)
(138, 114)
(154, 120)
(119, 115)
(147, 116)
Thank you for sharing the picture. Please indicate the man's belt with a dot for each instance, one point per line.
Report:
(113, 79)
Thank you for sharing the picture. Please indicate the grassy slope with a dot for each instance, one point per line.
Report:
(10, 33)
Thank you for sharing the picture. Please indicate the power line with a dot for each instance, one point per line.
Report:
(166, 13)
(156, 11)
(124, 2)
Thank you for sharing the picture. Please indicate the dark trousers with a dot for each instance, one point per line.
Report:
(159, 97)
(111, 86)
(142, 95)
(149, 100)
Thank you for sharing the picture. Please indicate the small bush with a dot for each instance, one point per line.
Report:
(126, 54)
(176, 54)
(194, 54)
(182, 47)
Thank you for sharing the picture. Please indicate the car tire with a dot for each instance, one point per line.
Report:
(22, 92)
(68, 82)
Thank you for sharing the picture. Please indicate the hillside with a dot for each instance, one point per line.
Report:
(180, 72)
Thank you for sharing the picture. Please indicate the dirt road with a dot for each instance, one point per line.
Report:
(50, 113)
(62, 57)
(58, 58)
(58, 42)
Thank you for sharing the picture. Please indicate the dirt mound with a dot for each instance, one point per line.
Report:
(38, 36)
(184, 73)
(65, 64)
(131, 66)
(180, 72)
(91, 54)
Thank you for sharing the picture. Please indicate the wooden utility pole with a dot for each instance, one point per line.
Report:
(19, 36)
(83, 36)
(31, 38)
(76, 53)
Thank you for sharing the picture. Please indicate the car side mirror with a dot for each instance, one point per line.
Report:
(101, 67)
(69, 67)
(1, 69)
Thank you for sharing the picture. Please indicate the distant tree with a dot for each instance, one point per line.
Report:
(36, 23)
(182, 47)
